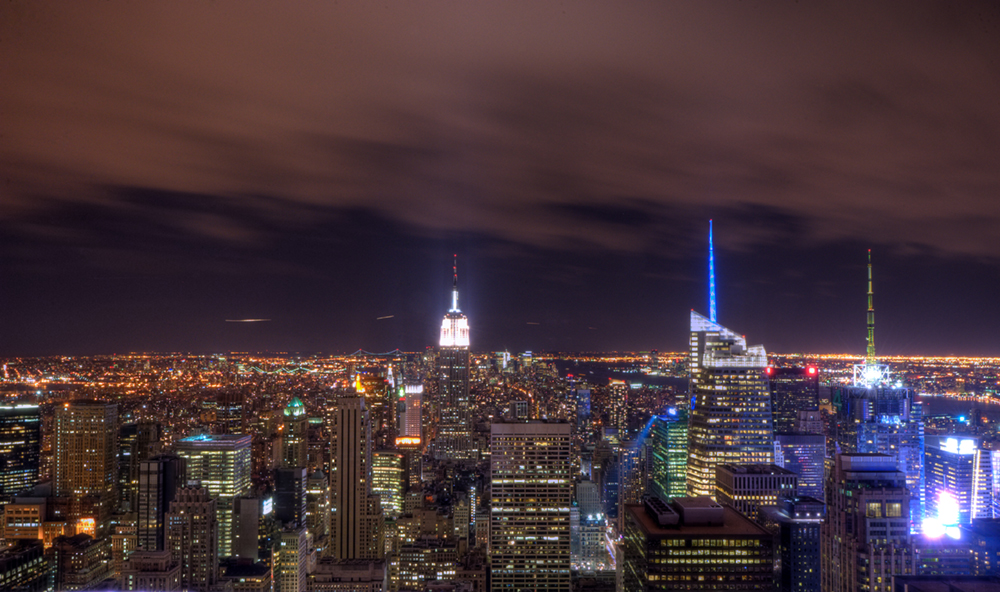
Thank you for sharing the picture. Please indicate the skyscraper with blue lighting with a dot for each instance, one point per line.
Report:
(730, 418)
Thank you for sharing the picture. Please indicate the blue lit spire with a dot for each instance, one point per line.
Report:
(711, 276)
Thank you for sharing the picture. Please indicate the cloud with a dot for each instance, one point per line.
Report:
(584, 127)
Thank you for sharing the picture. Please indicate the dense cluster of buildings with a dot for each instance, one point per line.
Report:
(450, 471)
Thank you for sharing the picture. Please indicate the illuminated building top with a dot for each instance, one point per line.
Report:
(871, 373)
(455, 326)
(295, 408)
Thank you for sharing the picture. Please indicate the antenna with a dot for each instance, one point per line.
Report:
(711, 275)
(454, 289)
(870, 358)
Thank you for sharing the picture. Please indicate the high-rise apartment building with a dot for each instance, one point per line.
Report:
(192, 528)
(295, 436)
(792, 390)
(866, 539)
(693, 544)
(454, 433)
(20, 448)
(356, 522)
(531, 493)
(618, 392)
(669, 454)
(221, 464)
(749, 487)
(86, 438)
(158, 481)
(730, 417)
(802, 454)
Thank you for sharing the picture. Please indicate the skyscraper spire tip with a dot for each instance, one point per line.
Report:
(711, 276)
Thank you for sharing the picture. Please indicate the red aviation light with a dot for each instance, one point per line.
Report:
(812, 370)
(769, 370)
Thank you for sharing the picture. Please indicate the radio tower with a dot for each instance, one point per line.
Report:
(870, 358)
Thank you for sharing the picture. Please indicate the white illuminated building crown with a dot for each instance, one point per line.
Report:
(455, 326)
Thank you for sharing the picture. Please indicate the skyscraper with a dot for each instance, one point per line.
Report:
(797, 522)
(866, 538)
(803, 455)
(747, 488)
(731, 404)
(454, 434)
(192, 528)
(159, 479)
(290, 497)
(20, 448)
(356, 524)
(389, 480)
(876, 416)
(413, 418)
(530, 511)
(295, 436)
(952, 466)
(221, 464)
(669, 455)
(85, 461)
(792, 390)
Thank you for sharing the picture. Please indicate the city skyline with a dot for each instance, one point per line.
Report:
(318, 166)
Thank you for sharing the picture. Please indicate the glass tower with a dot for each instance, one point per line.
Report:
(220, 464)
(669, 455)
(730, 420)
(20, 447)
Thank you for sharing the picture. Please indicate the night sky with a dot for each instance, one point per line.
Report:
(167, 166)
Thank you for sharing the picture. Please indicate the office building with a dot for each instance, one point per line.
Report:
(20, 448)
(221, 464)
(748, 487)
(231, 412)
(388, 480)
(530, 508)
(454, 433)
(80, 562)
(618, 392)
(86, 438)
(730, 417)
(290, 497)
(796, 524)
(158, 481)
(356, 522)
(792, 390)
(669, 454)
(192, 528)
(952, 470)
(802, 454)
(693, 544)
(290, 561)
(413, 414)
(809, 422)
(351, 575)
(295, 436)
(878, 416)
(24, 568)
(147, 571)
(318, 509)
(866, 539)
(983, 537)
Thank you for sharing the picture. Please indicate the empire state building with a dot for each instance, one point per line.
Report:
(454, 435)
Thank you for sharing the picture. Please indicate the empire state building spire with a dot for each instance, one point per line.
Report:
(455, 327)
(454, 287)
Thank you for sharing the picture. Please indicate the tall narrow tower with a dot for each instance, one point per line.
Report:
(454, 434)
(85, 461)
(876, 416)
(712, 313)
(356, 514)
(730, 419)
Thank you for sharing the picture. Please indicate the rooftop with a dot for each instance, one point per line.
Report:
(733, 524)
